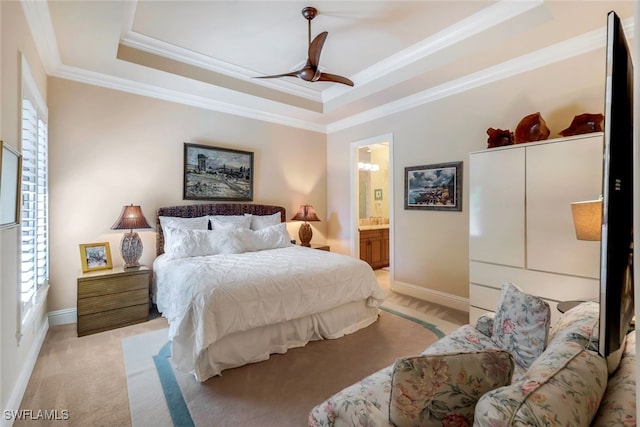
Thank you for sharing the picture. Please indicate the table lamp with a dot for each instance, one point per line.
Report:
(131, 218)
(587, 219)
(305, 213)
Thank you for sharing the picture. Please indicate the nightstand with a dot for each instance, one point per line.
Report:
(110, 299)
(321, 247)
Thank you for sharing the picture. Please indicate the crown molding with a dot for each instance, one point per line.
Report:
(39, 21)
(152, 91)
(569, 48)
(477, 23)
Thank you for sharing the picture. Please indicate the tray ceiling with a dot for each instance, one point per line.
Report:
(207, 53)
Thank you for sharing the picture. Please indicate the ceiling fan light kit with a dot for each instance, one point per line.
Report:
(310, 72)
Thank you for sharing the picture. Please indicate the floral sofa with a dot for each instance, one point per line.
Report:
(511, 368)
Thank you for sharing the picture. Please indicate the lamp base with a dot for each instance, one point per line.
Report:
(305, 234)
(131, 249)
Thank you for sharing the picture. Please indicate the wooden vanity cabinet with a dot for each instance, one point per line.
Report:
(374, 247)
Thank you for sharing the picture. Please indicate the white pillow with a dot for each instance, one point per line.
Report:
(183, 243)
(259, 222)
(226, 222)
(198, 223)
(271, 237)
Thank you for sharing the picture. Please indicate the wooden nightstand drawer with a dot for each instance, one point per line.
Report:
(110, 299)
(113, 301)
(111, 319)
(107, 285)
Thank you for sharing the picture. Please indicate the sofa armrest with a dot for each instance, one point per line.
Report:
(484, 323)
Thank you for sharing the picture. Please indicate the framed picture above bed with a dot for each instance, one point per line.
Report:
(433, 187)
(214, 173)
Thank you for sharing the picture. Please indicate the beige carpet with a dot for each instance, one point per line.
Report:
(86, 376)
(282, 390)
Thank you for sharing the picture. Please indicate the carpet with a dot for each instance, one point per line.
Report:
(277, 392)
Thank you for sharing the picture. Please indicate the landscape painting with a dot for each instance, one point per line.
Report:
(434, 187)
(213, 173)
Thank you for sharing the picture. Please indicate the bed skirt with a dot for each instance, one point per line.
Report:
(258, 344)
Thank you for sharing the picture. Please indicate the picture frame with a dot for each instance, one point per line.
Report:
(10, 185)
(218, 174)
(95, 256)
(377, 194)
(435, 187)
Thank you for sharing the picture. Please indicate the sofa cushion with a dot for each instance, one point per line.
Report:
(580, 325)
(521, 324)
(618, 406)
(363, 403)
(563, 386)
(440, 389)
(468, 339)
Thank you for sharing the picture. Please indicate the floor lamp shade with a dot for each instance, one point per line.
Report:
(305, 213)
(131, 218)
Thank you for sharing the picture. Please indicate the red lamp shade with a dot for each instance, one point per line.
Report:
(131, 218)
(305, 213)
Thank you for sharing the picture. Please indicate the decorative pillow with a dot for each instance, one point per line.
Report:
(198, 223)
(484, 323)
(183, 243)
(442, 389)
(226, 222)
(272, 237)
(563, 387)
(521, 324)
(259, 222)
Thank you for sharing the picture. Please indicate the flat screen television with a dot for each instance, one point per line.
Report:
(616, 245)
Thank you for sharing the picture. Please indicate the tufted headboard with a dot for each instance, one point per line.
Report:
(194, 211)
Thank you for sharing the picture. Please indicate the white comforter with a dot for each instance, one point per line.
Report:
(209, 297)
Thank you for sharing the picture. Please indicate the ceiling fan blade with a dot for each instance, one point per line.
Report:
(275, 76)
(326, 77)
(315, 48)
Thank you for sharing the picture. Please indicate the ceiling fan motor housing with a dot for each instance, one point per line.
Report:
(309, 12)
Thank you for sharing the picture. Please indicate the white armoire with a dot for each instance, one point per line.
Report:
(520, 224)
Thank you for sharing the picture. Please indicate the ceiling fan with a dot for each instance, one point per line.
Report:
(310, 72)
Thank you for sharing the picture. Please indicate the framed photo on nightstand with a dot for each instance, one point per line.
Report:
(95, 256)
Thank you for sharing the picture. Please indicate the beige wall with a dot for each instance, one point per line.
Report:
(109, 149)
(16, 354)
(431, 247)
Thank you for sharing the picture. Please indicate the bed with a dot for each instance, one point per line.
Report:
(235, 290)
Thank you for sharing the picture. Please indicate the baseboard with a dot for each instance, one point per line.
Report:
(25, 374)
(63, 317)
(442, 298)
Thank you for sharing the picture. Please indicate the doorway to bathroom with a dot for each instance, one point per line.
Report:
(372, 201)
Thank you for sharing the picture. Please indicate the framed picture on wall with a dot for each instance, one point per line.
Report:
(213, 173)
(10, 177)
(95, 256)
(433, 187)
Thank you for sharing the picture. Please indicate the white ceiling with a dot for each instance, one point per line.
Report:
(399, 54)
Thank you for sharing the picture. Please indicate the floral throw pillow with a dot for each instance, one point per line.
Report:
(521, 324)
(442, 389)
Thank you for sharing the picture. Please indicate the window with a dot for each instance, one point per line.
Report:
(35, 210)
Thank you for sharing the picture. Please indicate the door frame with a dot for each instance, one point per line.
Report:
(354, 199)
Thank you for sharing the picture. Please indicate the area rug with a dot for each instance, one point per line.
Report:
(277, 392)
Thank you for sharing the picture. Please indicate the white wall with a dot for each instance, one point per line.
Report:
(17, 356)
(110, 148)
(431, 247)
